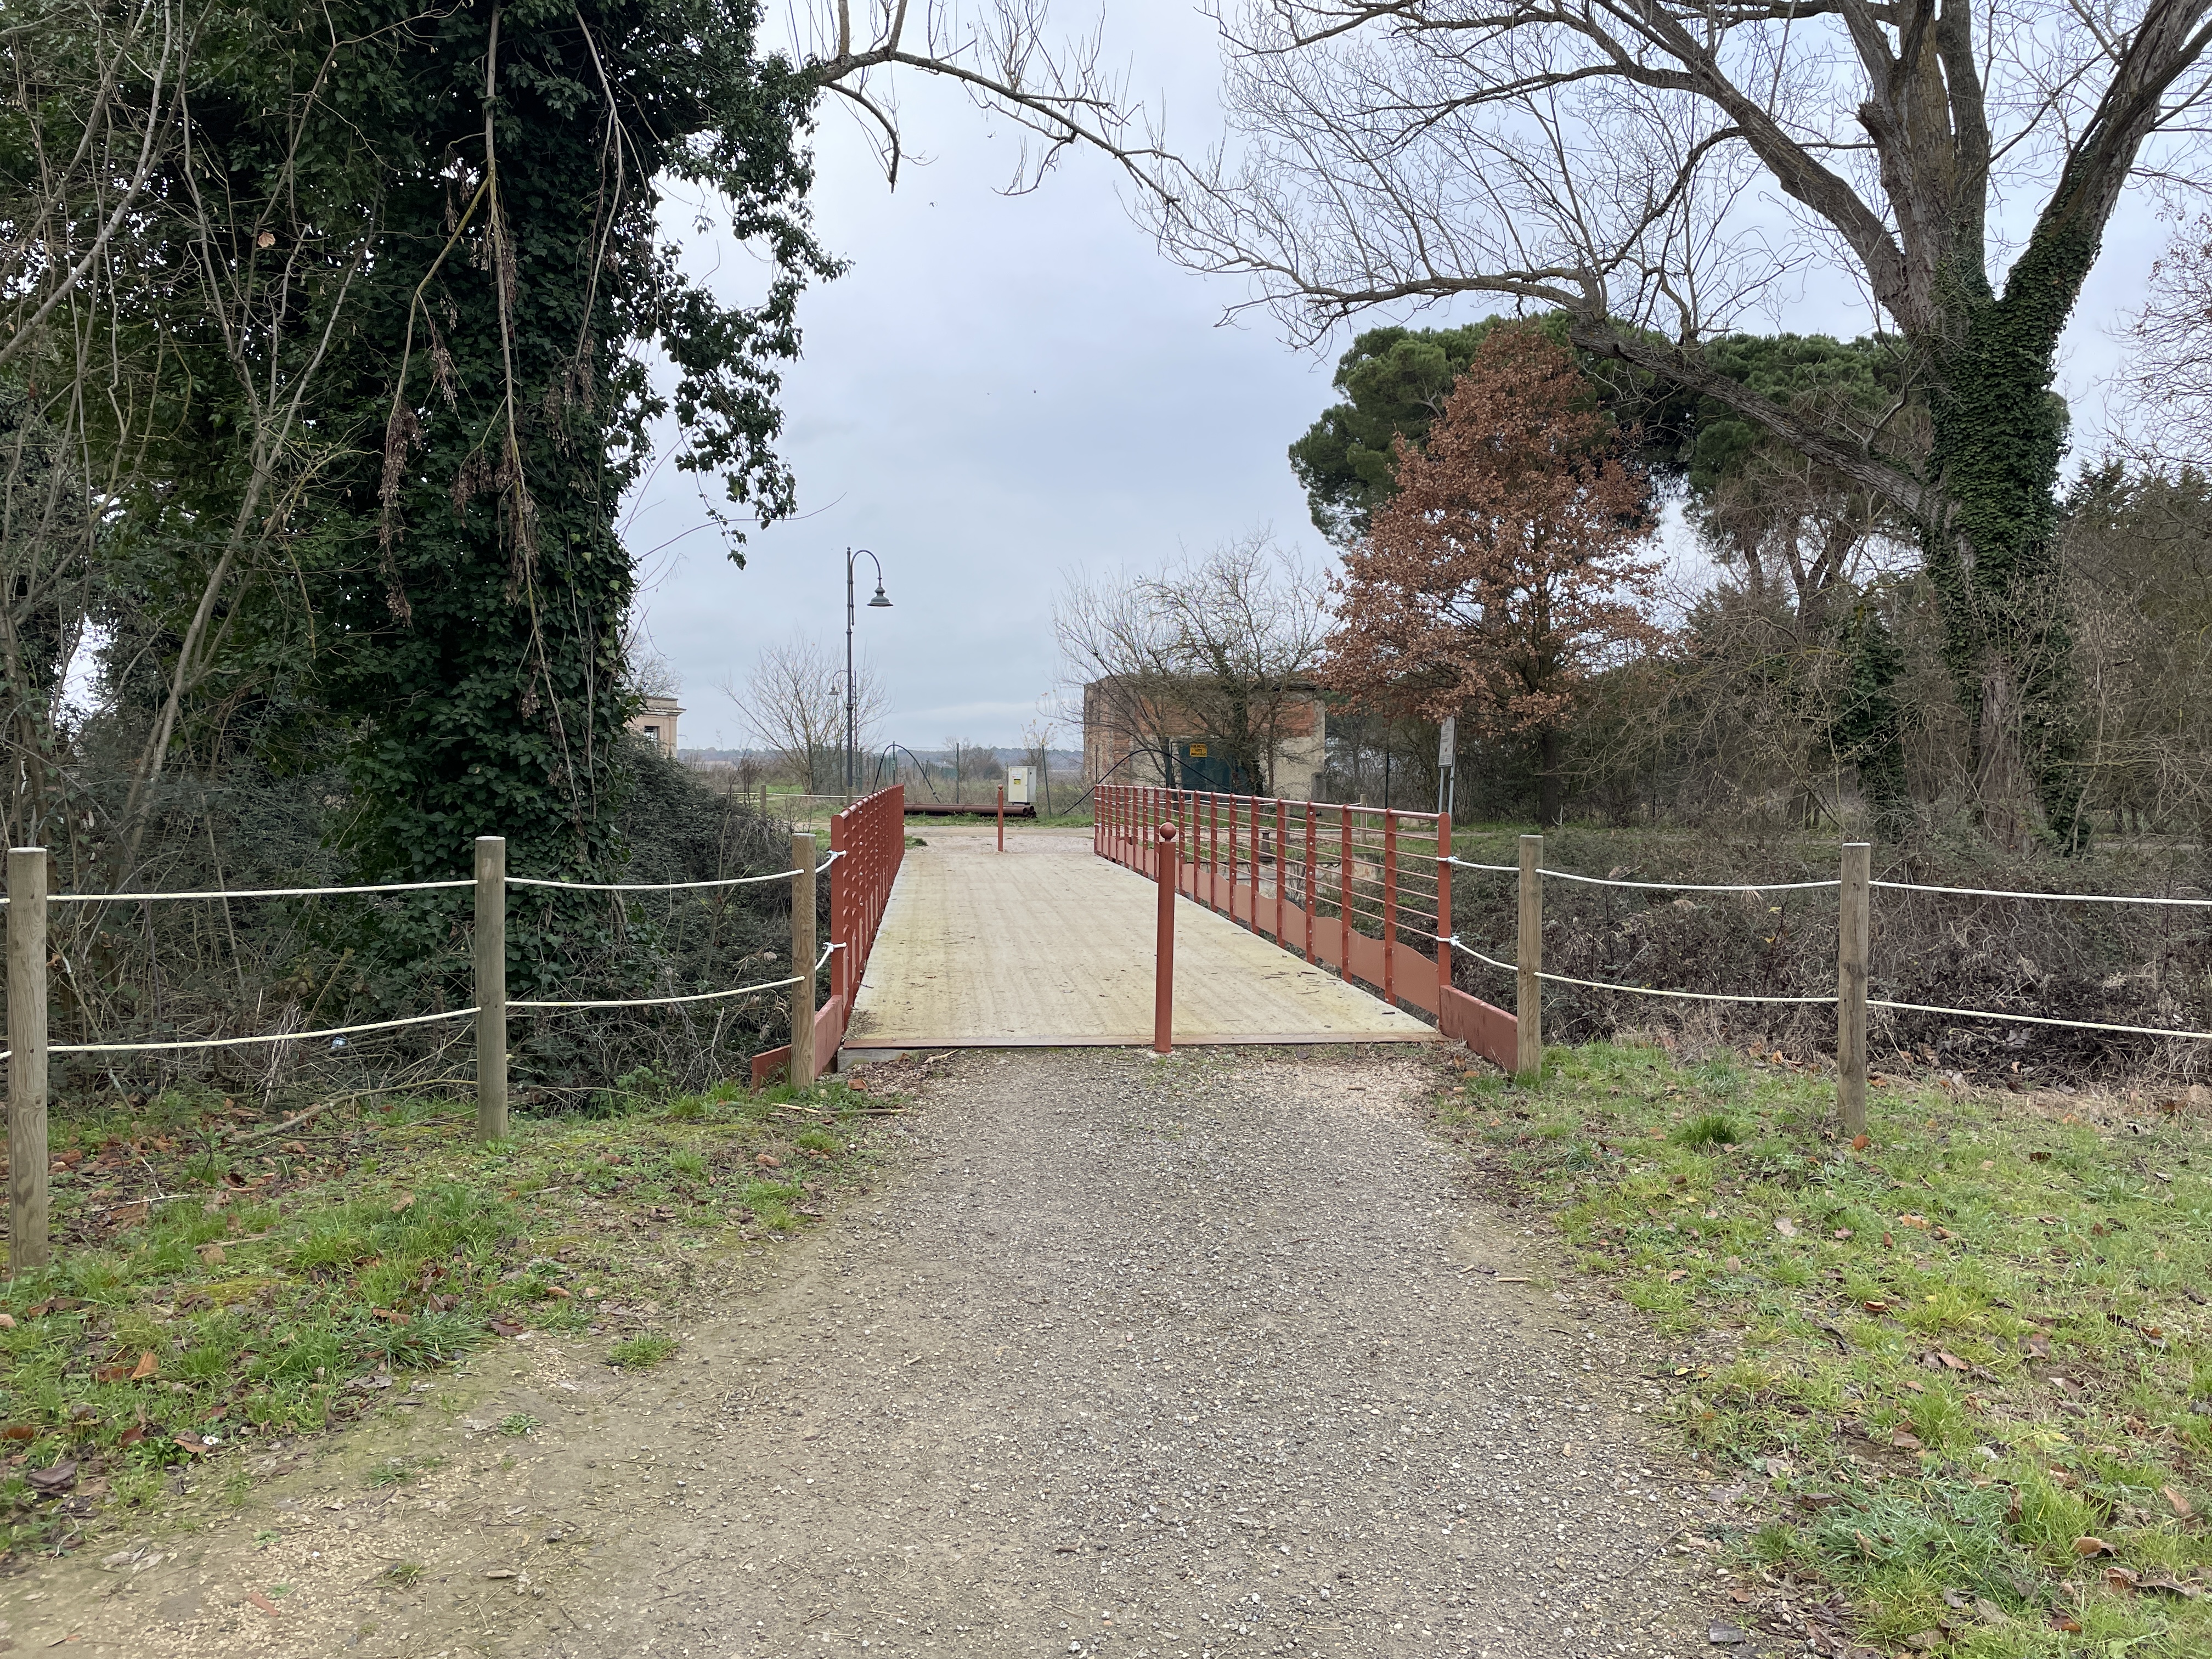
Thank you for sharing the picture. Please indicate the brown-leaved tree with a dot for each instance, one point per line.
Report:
(1506, 569)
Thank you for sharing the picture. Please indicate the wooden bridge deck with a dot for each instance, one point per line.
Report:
(1050, 945)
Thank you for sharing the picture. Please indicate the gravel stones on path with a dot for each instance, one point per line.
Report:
(1142, 1359)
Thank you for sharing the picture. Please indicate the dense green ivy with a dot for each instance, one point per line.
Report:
(1998, 434)
(441, 230)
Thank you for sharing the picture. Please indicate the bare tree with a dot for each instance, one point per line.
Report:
(1003, 53)
(1619, 162)
(2170, 382)
(1220, 646)
(793, 703)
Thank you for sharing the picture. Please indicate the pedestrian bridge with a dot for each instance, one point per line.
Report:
(1048, 944)
(1302, 923)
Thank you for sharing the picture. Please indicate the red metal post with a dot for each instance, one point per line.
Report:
(1164, 946)
(1344, 898)
(840, 905)
(1444, 913)
(1307, 887)
(1255, 864)
(1002, 817)
(1213, 852)
(1390, 907)
(1282, 849)
(1234, 802)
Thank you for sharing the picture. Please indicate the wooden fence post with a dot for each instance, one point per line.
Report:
(488, 954)
(1851, 987)
(802, 960)
(1527, 1006)
(27, 1058)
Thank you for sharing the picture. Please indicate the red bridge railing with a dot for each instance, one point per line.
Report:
(1363, 889)
(867, 840)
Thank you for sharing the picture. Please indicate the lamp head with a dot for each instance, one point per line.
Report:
(881, 602)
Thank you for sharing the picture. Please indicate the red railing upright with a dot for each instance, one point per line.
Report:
(1365, 890)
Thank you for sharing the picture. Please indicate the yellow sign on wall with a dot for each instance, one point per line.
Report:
(1198, 752)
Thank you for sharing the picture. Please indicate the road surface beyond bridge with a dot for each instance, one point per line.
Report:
(1048, 945)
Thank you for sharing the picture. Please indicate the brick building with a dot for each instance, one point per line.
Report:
(1162, 732)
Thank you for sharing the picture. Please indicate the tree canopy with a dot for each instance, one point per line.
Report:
(1504, 570)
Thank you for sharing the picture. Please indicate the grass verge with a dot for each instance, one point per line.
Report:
(212, 1293)
(1971, 1360)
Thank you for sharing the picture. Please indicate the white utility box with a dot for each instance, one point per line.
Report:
(1018, 786)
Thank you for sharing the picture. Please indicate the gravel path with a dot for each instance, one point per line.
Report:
(1140, 1358)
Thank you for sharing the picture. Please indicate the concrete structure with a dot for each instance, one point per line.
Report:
(1167, 734)
(658, 721)
(1048, 945)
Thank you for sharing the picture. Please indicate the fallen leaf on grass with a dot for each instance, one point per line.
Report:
(506, 1327)
(212, 1254)
(556, 1290)
(1904, 1440)
(1860, 1143)
(2087, 1545)
(262, 1602)
(1785, 1226)
(2037, 1345)
(2120, 1578)
(1678, 1275)
(403, 1203)
(1950, 1362)
(7, 1321)
(18, 1432)
(191, 1442)
(49, 1482)
(130, 1437)
(115, 1373)
(1877, 1307)
(2179, 1504)
(2067, 1622)
(766, 1162)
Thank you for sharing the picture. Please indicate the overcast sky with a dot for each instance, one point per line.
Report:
(1005, 389)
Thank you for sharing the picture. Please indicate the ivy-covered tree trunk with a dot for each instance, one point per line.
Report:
(476, 612)
(1997, 432)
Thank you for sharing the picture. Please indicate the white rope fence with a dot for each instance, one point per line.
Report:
(1807, 886)
(876, 820)
(245, 1041)
(1851, 1001)
(2062, 898)
(642, 886)
(2039, 1019)
(255, 893)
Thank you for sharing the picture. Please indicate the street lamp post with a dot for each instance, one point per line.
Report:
(852, 697)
